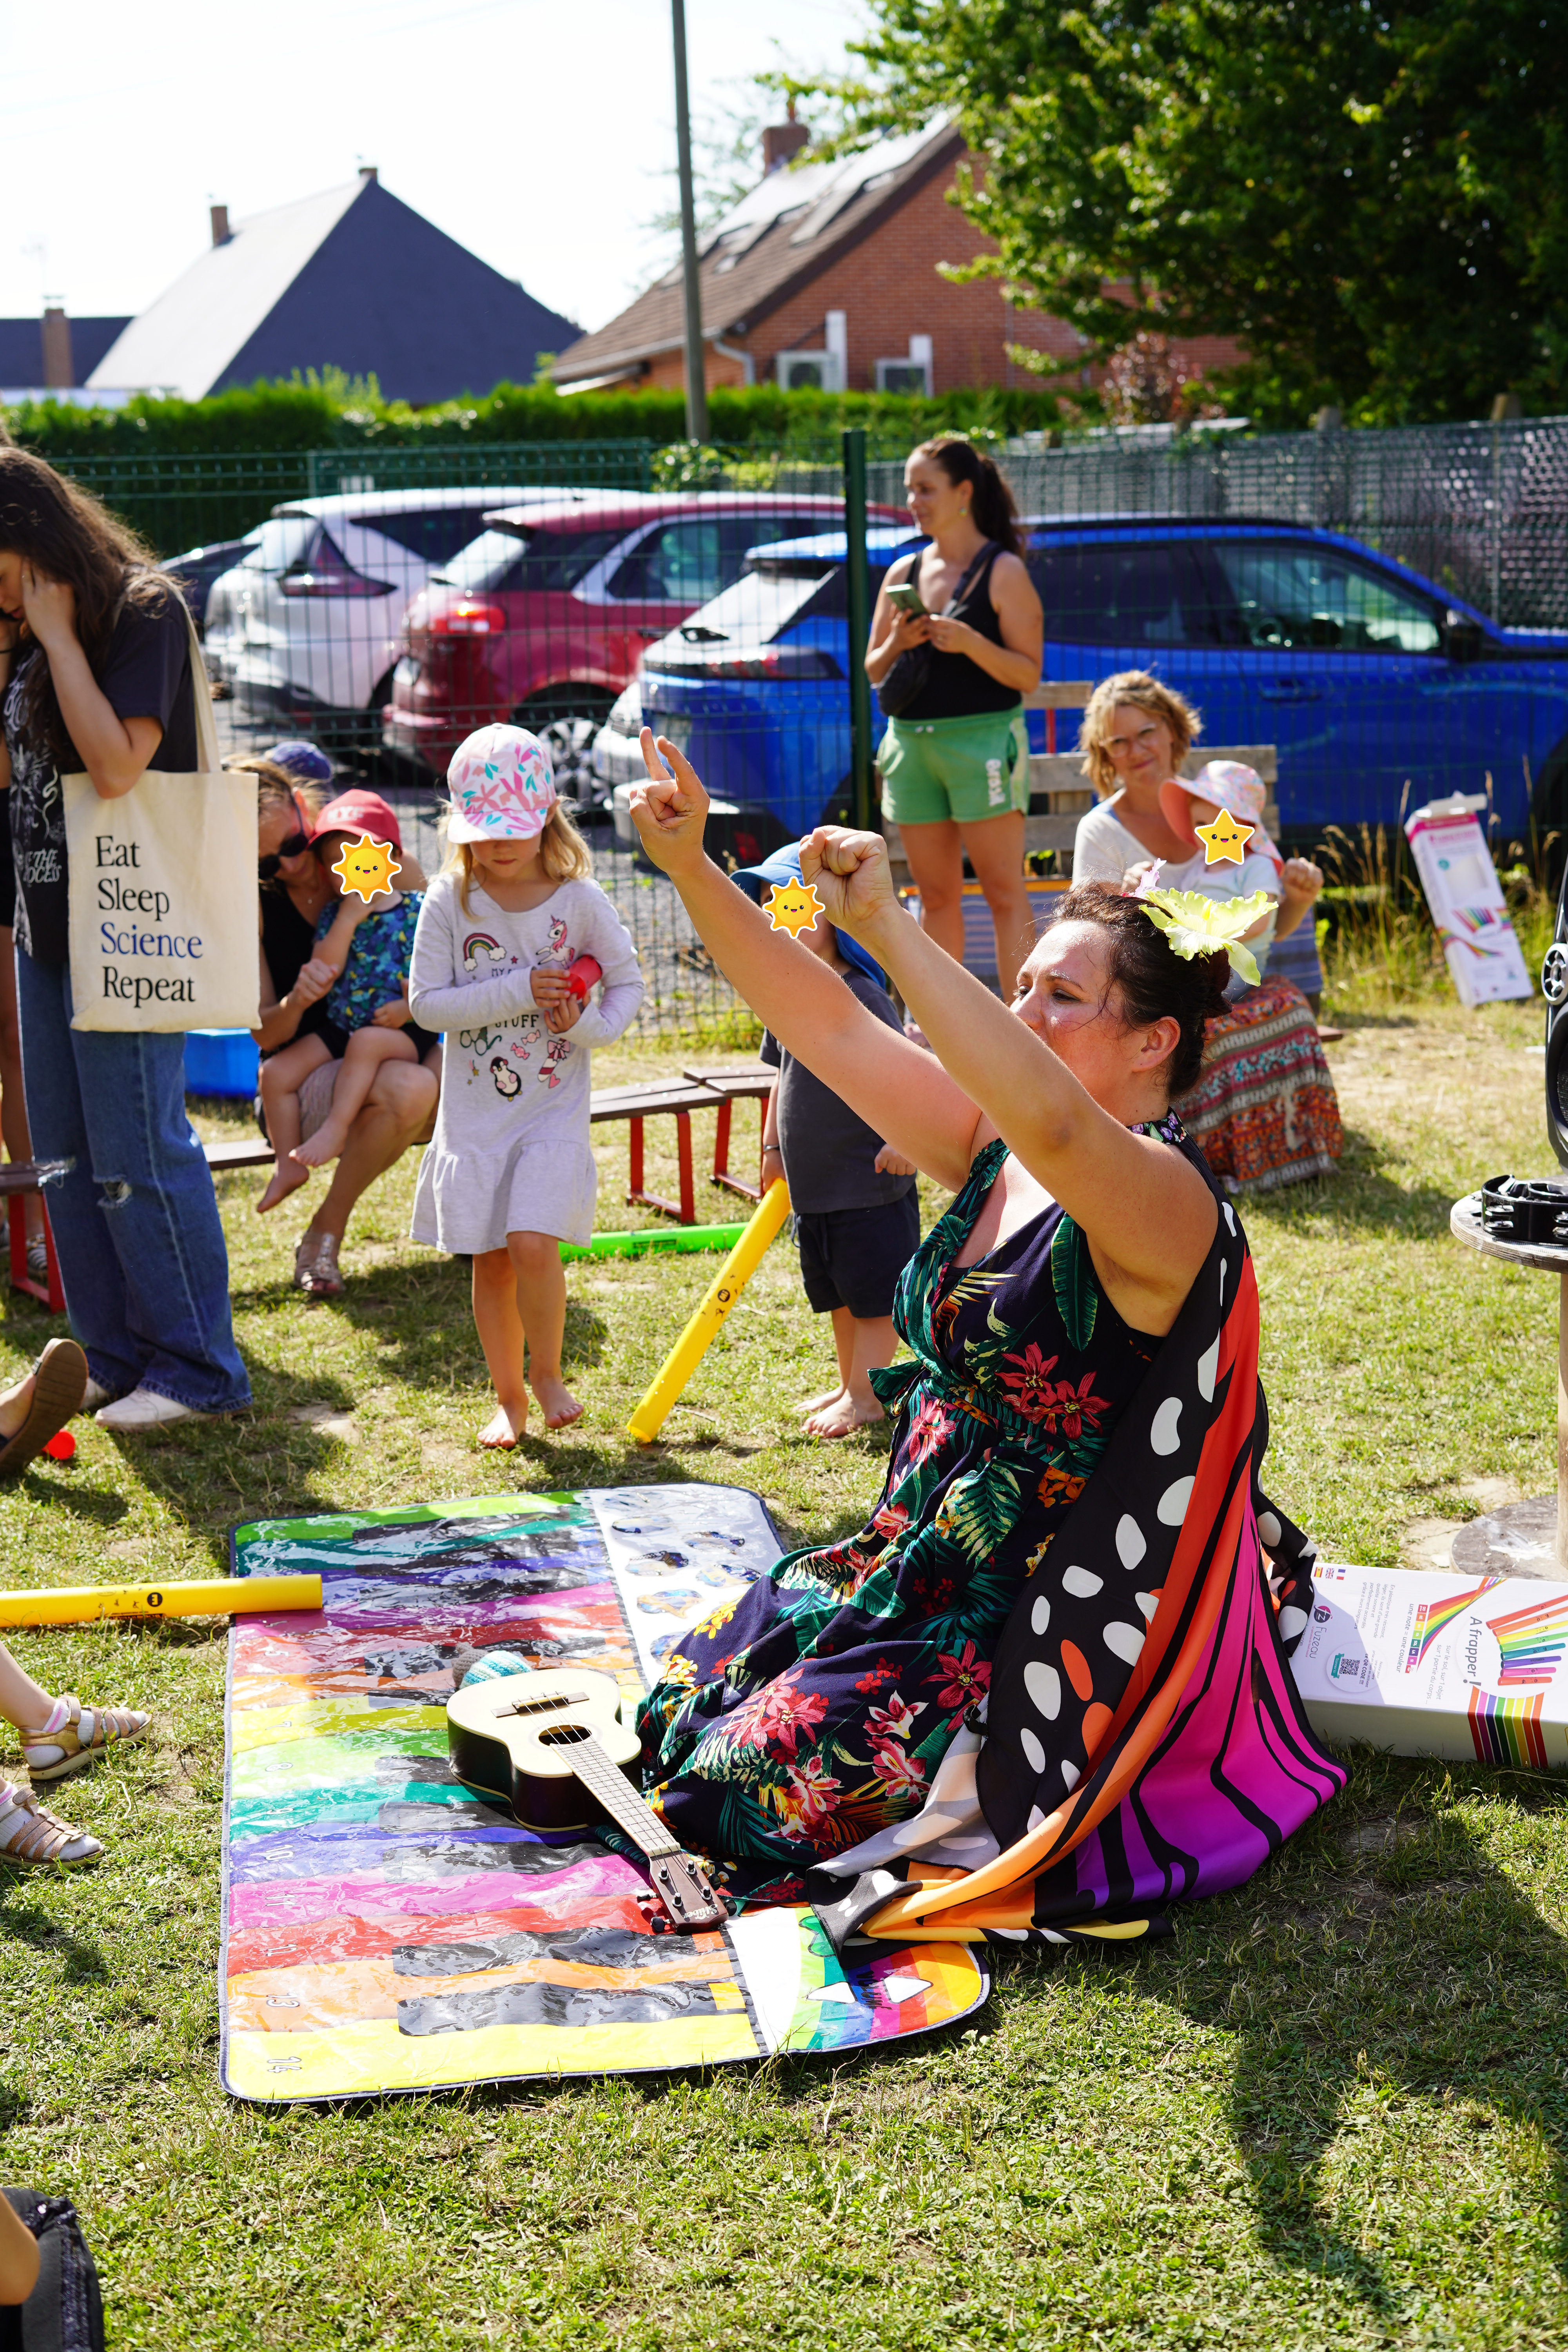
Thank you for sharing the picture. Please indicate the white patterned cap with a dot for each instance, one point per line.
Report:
(501, 786)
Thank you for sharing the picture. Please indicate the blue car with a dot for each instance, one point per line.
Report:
(1378, 687)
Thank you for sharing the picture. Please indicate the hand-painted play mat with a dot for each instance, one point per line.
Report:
(384, 1929)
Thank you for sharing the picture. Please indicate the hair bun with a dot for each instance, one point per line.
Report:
(1216, 971)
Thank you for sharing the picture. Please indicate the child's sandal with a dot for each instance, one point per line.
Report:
(75, 1737)
(39, 1840)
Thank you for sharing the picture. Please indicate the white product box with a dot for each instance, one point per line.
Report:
(1484, 958)
(1430, 1665)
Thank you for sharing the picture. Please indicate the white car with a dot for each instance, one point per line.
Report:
(304, 631)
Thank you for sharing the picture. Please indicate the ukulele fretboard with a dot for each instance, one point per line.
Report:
(603, 1778)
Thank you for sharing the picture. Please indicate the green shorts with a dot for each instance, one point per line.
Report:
(962, 769)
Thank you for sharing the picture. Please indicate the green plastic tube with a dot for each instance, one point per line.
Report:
(655, 1237)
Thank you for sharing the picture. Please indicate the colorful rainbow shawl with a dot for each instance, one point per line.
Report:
(1208, 1764)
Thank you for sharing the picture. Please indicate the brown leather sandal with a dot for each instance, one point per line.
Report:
(316, 1267)
(59, 1384)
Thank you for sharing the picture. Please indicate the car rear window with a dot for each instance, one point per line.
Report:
(687, 561)
(505, 561)
(1293, 596)
(1145, 592)
(434, 534)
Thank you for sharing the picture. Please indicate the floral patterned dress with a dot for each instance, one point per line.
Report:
(813, 1711)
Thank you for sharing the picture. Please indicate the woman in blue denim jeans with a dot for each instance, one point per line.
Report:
(95, 675)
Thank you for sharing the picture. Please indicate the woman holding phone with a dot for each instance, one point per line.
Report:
(954, 761)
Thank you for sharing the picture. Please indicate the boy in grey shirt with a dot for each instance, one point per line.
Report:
(856, 1207)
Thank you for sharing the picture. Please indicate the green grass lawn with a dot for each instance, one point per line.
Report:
(1331, 2109)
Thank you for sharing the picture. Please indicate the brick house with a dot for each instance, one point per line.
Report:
(827, 274)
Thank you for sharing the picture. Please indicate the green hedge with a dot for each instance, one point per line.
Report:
(331, 413)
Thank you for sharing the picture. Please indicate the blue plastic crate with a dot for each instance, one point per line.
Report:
(221, 1062)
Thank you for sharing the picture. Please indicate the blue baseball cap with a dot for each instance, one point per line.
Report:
(777, 872)
(305, 760)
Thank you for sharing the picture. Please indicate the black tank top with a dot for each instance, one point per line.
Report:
(957, 687)
(289, 941)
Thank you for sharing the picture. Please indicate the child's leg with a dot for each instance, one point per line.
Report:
(499, 1327)
(875, 1343)
(282, 1076)
(363, 1055)
(844, 1348)
(61, 1736)
(541, 1307)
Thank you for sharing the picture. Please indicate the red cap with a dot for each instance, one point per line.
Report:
(359, 813)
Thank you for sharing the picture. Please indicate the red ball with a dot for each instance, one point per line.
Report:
(61, 1446)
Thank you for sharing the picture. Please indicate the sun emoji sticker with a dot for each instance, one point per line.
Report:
(366, 868)
(794, 908)
(1225, 842)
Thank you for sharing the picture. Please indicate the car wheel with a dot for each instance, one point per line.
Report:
(567, 721)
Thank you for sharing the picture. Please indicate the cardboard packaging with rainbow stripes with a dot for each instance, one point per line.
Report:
(1438, 1665)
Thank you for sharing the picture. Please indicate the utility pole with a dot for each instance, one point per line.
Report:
(696, 379)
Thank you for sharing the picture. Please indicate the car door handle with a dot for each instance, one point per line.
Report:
(1287, 690)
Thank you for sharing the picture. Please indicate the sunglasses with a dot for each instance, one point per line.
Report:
(267, 867)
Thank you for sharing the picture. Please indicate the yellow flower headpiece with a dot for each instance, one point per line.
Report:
(1197, 926)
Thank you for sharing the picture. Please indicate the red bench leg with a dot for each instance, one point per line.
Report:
(683, 1146)
(50, 1293)
(634, 1160)
(721, 1142)
(685, 1209)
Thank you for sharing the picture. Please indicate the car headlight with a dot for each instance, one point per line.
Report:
(626, 712)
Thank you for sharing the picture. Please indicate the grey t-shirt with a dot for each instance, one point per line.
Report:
(828, 1150)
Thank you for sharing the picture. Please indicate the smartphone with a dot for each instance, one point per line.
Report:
(905, 596)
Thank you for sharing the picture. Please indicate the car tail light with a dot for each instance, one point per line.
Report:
(466, 617)
(773, 662)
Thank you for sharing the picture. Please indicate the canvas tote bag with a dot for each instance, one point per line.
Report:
(163, 890)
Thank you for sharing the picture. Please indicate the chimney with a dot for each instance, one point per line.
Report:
(783, 140)
(367, 173)
(60, 373)
(221, 229)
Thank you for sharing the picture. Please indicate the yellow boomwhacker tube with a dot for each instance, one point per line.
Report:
(726, 1287)
(81, 1604)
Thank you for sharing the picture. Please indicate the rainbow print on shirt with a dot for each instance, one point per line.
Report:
(1532, 1641)
(1434, 1617)
(1506, 1730)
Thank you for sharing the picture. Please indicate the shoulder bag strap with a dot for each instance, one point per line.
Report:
(209, 761)
(978, 564)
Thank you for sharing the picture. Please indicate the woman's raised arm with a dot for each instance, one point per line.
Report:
(900, 1091)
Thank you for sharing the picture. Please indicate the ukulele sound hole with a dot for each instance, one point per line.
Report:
(565, 1735)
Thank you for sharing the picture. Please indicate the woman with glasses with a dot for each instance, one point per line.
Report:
(400, 1106)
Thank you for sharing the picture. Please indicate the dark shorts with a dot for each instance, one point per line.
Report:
(853, 1257)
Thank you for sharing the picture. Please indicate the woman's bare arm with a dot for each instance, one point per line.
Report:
(1146, 1215)
(898, 1090)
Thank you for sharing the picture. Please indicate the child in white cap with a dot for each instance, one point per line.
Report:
(509, 1175)
(1229, 788)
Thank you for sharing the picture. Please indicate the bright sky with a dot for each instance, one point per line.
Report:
(532, 131)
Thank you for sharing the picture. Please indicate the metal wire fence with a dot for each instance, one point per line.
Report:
(387, 603)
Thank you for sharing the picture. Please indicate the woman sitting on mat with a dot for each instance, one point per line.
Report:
(400, 1108)
(1067, 1544)
(1264, 1111)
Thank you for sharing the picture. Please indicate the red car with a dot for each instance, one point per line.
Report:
(543, 619)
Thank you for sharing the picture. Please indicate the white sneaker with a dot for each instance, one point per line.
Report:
(94, 1395)
(145, 1409)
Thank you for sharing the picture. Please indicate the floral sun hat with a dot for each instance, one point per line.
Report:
(501, 786)
(1223, 784)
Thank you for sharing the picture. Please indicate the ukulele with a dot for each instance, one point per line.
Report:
(544, 1741)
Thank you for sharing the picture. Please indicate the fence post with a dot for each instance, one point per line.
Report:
(859, 622)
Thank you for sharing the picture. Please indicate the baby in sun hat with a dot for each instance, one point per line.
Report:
(513, 939)
(1231, 786)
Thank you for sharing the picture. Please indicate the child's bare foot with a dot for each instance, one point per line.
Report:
(287, 1178)
(820, 1404)
(843, 1416)
(557, 1403)
(503, 1429)
(325, 1144)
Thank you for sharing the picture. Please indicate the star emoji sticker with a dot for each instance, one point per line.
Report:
(794, 908)
(1225, 842)
(365, 868)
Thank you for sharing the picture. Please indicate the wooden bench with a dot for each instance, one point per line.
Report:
(20, 1179)
(669, 1098)
(753, 1082)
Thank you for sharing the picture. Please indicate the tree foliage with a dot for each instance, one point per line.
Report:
(1373, 198)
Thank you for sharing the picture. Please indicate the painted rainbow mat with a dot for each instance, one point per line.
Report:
(384, 1929)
